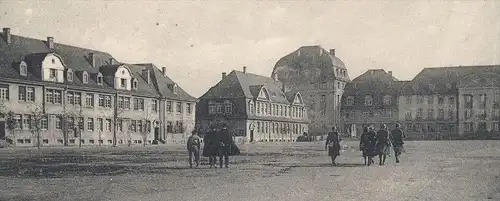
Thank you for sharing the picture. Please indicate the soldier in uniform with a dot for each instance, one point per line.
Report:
(225, 141)
(193, 147)
(383, 144)
(366, 145)
(397, 141)
(210, 147)
(333, 144)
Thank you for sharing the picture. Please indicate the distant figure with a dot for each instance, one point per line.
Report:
(225, 141)
(367, 145)
(397, 141)
(333, 144)
(193, 147)
(383, 144)
(210, 148)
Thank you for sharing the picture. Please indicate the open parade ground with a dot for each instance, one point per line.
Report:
(430, 170)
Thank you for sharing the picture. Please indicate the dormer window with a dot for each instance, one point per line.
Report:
(175, 89)
(123, 83)
(134, 83)
(23, 69)
(368, 100)
(85, 77)
(53, 61)
(53, 74)
(69, 75)
(99, 79)
(350, 101)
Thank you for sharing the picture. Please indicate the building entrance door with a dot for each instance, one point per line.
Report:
(2, 130)
(251, 135)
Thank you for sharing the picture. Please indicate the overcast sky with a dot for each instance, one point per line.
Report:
(197, 41)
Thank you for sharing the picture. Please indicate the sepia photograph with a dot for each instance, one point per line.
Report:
(184, 100)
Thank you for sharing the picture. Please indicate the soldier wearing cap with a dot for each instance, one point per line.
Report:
(210, 148)
(225, 142)
(397, 141)
(333, 144)
(193, 147)
(383, 144)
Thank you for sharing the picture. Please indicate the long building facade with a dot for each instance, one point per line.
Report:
(438, 103)
(321, 78)
(255, 108)
(54, 93)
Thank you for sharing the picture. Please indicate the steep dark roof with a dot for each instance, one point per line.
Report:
(375, 81)
(33, 51)
(163, 84)
(245, 85)
(314, 56)
(444, 80)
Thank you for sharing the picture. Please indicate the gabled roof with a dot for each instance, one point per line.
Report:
(34, 50)
(444, 80)
(162, 82)
(246, 85)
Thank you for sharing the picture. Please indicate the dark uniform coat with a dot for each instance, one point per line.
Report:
(226, 143)
(367, 143)
(397, 140)
(333, 143)
(383, 142)
(211, 147)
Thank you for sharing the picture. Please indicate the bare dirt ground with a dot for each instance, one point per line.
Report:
(430, 170)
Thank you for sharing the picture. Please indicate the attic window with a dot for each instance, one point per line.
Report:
(69, 75)
(99, 79)
(123, 72)
(175, 89)
(134, 83)
(23, 68)
(53, 61)
(85, 77)
(448, 86)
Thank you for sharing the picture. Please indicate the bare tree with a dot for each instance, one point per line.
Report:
(77, 117)
(11, 125)
(36, 117)
(146, 124)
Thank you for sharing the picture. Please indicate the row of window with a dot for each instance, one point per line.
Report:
(83, 141)
(387, 100)
(279, 128)
(430, 127)
(54, 96)
(220, 108)
(430, 114)
(277, 110)
(26, 121)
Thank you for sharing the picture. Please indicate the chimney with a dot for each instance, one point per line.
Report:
(6, 35)
(390, 73)
(244, 69)
(111, 61)
(92, 59)
(223, 75)
(146, 75)
(332, 52)
(164, 71)
(50, 42)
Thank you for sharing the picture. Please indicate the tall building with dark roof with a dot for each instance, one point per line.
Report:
(320, 77)
(89, 92)
(371, 100)
(255, 108)
(451, 102)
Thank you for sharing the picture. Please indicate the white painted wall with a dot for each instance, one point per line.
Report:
(123, 73)
(51, 61)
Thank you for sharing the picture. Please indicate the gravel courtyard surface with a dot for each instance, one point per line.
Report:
(431, 170)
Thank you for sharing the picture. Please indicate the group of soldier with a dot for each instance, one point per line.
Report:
(220, 143)
(217, 143)
(371, 144)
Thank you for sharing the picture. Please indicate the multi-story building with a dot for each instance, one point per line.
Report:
(68, 90)
(255, 108)
(479, 103)
(371, 99)
(449, 102)
(320, 77)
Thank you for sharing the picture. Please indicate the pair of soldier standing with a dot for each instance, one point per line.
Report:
(219, 143)
(372, 144)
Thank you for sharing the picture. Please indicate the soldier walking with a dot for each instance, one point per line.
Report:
(333, 144)
(193, 147)
(367, 145)
(383, 144)
(397, 141)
